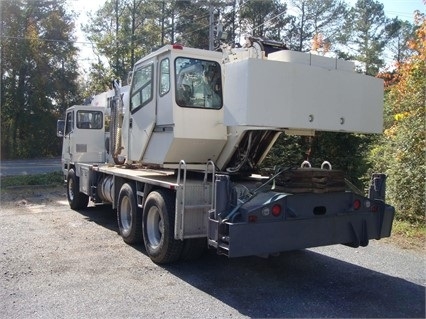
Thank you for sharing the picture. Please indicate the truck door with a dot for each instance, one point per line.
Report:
(142, 109)
(68, 136)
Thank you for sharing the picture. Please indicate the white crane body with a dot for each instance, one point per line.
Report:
(177, 151)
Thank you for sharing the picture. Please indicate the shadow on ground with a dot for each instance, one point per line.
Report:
(295, 284)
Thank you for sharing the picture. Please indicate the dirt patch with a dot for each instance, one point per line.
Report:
(29, 196)
(416, 242)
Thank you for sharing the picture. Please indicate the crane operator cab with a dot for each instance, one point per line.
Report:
(176, 109)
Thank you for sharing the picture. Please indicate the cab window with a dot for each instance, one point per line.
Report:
(198, 83)
(142, 87)
(164, 77)
(69, 125)
(89, 120)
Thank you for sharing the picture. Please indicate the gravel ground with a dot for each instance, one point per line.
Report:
(59, 263)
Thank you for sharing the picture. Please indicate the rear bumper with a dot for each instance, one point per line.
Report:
(350, 228)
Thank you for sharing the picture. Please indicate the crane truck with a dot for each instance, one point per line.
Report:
(177, 153)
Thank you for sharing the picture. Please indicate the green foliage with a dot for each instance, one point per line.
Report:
(50, 179)
(401, 151)
(38, 75)
(288, 151)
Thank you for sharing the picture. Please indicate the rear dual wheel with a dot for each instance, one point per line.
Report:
(158, 228)
(129, 216)
(159, 235)
(155, 226)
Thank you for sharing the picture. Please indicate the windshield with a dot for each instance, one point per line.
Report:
(89, 120)
(198, 83)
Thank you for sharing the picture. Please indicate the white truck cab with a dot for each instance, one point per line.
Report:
(84, 135)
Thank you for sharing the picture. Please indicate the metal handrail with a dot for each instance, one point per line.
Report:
(213, 194)
(182, 163)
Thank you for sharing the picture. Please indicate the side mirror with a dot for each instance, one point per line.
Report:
(60, 125)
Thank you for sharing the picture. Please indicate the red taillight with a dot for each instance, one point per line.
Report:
(356, 204)
(276, 210)
(177, 46)
(252, 218)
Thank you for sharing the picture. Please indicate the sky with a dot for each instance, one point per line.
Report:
(403, 9)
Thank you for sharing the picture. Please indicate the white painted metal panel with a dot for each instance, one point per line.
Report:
(158, 147)
(194, 150)
(294, 95)
(312, 59)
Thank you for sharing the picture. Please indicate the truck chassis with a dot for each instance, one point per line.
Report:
(178, 214)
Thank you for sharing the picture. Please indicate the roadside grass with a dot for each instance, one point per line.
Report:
(48, 179)
(408, 236)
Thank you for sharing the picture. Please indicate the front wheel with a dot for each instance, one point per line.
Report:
(128, 216)
(158, 228)
(76, 199)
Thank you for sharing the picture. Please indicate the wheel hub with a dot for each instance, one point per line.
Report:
(155, 227)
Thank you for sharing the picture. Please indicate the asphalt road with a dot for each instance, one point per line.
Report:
(29, 167)
(60, 263)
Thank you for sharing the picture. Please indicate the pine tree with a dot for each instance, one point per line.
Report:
(364, 35)
(399, 33)
(263, 18)
(38, 75)
(314, 18)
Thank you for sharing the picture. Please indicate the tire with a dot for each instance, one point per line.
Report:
(193, 248)
(76, 199)
(129, 217)
(158, 228)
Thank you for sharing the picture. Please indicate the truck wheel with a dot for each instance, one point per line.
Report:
(76, 199)
(158, 228)
(128, 216)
